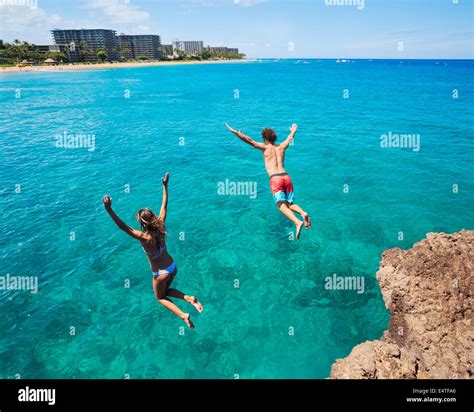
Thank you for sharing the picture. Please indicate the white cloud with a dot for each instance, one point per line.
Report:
(142, 29)
(33, 24)
(189, 5)
(116, 11)
(27, 23)
(248, 3)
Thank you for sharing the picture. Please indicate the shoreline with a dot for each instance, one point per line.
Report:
(105, 66)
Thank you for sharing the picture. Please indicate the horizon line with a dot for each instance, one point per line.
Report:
(359, 58)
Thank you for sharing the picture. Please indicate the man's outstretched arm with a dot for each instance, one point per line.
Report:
(246, 139)
(289, 139)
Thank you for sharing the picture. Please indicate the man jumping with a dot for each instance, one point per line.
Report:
(280, 181)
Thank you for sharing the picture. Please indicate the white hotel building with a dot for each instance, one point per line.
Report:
(190, 48)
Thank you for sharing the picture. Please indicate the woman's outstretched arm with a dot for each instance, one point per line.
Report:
(164, 202)
(107, 200)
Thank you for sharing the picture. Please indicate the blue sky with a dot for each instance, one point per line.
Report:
(265, 28)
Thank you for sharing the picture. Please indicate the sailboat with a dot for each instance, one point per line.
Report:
(345, 60)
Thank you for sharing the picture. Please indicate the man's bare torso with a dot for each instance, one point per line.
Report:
(274, 158)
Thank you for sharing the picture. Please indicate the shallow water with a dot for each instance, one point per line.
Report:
(280, 322)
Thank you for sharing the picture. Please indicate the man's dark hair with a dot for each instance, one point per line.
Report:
(269, 135)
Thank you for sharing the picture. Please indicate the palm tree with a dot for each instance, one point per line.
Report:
(84, 50)
(125, 55)
(102, 55)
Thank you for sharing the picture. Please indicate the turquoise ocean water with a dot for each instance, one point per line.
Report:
(280, 322)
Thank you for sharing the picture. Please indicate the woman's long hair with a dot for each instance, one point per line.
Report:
(152, 225)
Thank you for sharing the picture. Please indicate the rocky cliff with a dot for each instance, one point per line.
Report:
(429, 292)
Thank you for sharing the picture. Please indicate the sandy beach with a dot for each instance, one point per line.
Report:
(103, 66)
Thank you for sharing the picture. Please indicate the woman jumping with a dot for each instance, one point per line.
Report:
(153, 241)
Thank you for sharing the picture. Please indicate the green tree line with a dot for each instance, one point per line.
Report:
(15, 53)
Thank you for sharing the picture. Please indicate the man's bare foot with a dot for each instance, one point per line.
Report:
(187, 320)
(307, 220)
(193, 301)
(299, 226)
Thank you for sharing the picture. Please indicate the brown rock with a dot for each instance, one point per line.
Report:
(428, 289)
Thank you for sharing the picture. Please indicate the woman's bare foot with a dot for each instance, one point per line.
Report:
(307, 220)
(193, 301)
(299, 226)
(187, 320)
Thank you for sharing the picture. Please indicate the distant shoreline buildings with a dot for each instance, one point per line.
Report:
(189, 48)
(100, 45)
(83, 45)
(136, 46)
(92, 45)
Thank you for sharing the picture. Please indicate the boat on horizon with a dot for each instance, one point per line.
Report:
(344, 60)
